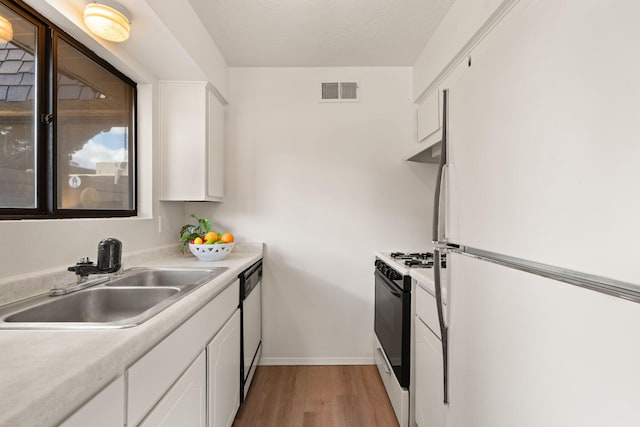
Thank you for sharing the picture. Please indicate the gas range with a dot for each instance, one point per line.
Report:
(396, 266)
(414, 259)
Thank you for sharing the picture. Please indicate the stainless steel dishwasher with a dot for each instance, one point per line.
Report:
(251, 324)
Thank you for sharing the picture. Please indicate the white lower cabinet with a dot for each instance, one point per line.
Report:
(195, 370)
(105, 409)
(430, 410)
(185, 404)
(224, 374)
(155, 373)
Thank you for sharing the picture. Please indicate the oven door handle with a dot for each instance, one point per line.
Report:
(390, 286)
(385, 362)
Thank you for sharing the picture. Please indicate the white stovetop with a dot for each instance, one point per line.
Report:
(423, 276)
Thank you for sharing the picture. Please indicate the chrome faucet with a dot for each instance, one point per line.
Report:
(109, 261)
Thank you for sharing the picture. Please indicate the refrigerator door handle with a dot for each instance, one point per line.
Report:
(443, 327)
(436, 206)
(443, 164)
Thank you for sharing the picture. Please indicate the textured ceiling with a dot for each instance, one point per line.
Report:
(320, 33)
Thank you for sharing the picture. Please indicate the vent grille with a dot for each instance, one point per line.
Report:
(349, 90)
(339, 92)
(331, 90)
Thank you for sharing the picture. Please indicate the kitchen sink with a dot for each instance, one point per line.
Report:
(164, 277)
(95, 305)
(124, 301)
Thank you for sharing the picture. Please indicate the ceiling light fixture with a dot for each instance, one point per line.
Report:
(107, 20)
(6, 30)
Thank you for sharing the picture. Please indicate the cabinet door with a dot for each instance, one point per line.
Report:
(183, 138)
(106, 409)
(215, 147)
(223, 354)
(185, 404)
(430, 410)
(429, 116)
(192, 139)
(151, 376)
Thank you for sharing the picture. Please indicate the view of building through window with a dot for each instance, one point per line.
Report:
(69, 149)
(18, 111)
(94, 115)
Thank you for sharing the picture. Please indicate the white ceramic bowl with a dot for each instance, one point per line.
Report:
(214, 252)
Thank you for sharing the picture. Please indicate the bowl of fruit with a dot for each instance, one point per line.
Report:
(205, 244)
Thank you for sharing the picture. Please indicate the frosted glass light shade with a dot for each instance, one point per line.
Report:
(6, 30)
(106, 22)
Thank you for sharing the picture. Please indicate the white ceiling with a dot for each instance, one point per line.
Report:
(320, 33)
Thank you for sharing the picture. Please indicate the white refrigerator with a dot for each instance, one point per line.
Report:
(538, 211)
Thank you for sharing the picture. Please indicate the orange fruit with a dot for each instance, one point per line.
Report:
(227, 238)
(212, 235)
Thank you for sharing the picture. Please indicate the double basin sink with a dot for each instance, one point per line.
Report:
(121, 302)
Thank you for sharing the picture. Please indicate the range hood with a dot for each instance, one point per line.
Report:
(427, 151)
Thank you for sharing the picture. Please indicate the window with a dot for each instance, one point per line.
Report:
(67, 125)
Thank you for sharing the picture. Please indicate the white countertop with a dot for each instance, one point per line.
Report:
(45, 375)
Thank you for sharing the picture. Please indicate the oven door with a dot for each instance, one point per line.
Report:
(392, 325)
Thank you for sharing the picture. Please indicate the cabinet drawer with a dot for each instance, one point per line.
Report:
(427, 309)
(151, 376)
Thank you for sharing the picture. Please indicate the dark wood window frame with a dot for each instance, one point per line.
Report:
(45, 143)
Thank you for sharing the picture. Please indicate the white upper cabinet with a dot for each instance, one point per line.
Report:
(429, 129)
(192, 140)
(429, 116)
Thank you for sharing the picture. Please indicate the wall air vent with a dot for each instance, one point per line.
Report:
(330, 91)
(339, 92)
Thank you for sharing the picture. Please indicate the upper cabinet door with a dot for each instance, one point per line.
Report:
(215, 146)
(192, 140)
(429, 116)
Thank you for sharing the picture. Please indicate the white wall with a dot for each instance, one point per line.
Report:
(324, 186)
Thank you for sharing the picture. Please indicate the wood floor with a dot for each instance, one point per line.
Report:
(316, 396)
